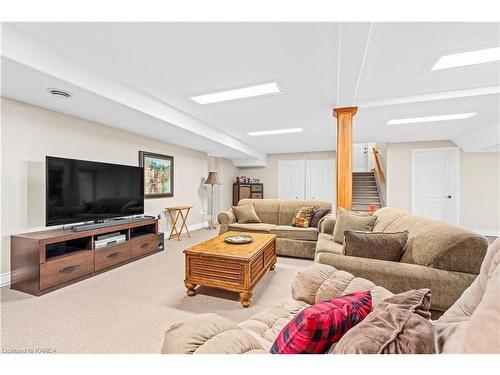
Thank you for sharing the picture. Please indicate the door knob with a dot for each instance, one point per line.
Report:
(449, 196)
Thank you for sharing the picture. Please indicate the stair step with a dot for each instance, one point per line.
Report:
(362, 173)
(363, 179)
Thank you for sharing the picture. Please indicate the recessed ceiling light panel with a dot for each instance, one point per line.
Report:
(244, 92)
(468, 58)
(277, 131)
(415, 120)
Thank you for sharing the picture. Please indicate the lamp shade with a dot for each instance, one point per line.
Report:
(212, 179)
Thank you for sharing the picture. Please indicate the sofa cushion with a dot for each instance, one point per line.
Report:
(208, 334)
(398, 325)
(326, 244)
(295, 233)
(375, 245)
(246, 214)
(289, 207)
(483, 332)
(452, 328)
(269, 323)
(435, 244)
(347, 220)
(385, 216)
(318, 214)
(302, 217)
(252, 227)
(317, 327)
(267, 209)
(320, 282)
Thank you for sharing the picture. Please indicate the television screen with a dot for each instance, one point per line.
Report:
(79, 190)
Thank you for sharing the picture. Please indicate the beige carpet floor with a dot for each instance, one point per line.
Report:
(127, 310)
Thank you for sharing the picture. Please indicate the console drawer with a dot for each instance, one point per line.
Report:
(144, 245)
(111, 255)
(58, 271)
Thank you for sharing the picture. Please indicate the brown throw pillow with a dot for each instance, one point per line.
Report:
(302, 217)
(375, 245)
(246, 214)
(318, 215)
(397, 325)
(347, 220)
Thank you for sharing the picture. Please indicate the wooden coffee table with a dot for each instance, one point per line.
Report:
(237, 268)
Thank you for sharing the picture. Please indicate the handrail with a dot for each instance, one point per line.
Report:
(378, 168)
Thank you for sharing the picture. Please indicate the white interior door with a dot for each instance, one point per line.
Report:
(320, 180)
(360, 157)
(435, 183)
(291, 179)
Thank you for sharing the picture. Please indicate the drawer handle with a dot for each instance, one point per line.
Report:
(113, 255)
(145, 245)
(69, 269)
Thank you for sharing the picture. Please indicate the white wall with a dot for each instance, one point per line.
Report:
(30, 133)
(269, 175)
(479, 184)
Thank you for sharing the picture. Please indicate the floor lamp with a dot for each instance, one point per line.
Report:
(212, 179)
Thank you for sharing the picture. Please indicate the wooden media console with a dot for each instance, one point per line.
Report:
(45, 261)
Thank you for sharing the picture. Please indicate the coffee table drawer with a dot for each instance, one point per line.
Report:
(112, 255)
(58, 271)
(144, 245)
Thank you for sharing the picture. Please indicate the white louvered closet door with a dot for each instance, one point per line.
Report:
(291, 179)
(320, 180)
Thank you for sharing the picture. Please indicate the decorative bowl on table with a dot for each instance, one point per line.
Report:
(241, 239)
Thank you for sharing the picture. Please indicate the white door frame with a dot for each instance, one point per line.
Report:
(413, 179)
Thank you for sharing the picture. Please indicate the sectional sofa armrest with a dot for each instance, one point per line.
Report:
(321, 282)
(225, 219)
(326, 224)
(209, 334)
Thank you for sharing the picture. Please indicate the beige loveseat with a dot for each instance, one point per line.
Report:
(471, 325)
(276, 216)
(442, 257)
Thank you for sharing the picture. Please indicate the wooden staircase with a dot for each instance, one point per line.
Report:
(365, 191)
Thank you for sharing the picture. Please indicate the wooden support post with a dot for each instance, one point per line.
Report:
(344, 155)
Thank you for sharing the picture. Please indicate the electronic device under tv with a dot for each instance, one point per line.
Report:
(82, 191)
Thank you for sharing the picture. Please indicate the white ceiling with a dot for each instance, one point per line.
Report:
(380, 66)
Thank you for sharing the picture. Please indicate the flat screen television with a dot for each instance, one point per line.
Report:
(79, 191)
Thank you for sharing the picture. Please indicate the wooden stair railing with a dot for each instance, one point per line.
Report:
(378, 169)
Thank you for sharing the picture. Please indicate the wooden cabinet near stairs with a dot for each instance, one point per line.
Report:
(243, 190)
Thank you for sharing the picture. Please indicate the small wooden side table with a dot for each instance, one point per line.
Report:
(175, 213)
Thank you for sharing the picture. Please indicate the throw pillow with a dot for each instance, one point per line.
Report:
(398, 325)
(246, 214)
(375, 245)
(302, 217)
(316, 328)
(318, 215)
(352, 221)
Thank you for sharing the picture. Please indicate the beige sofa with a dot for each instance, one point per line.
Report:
(442, 257)
(276, 216)
(471, 325)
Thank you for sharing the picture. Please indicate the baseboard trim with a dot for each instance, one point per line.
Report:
(198, 225)
(5, 279)
(488, 232)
